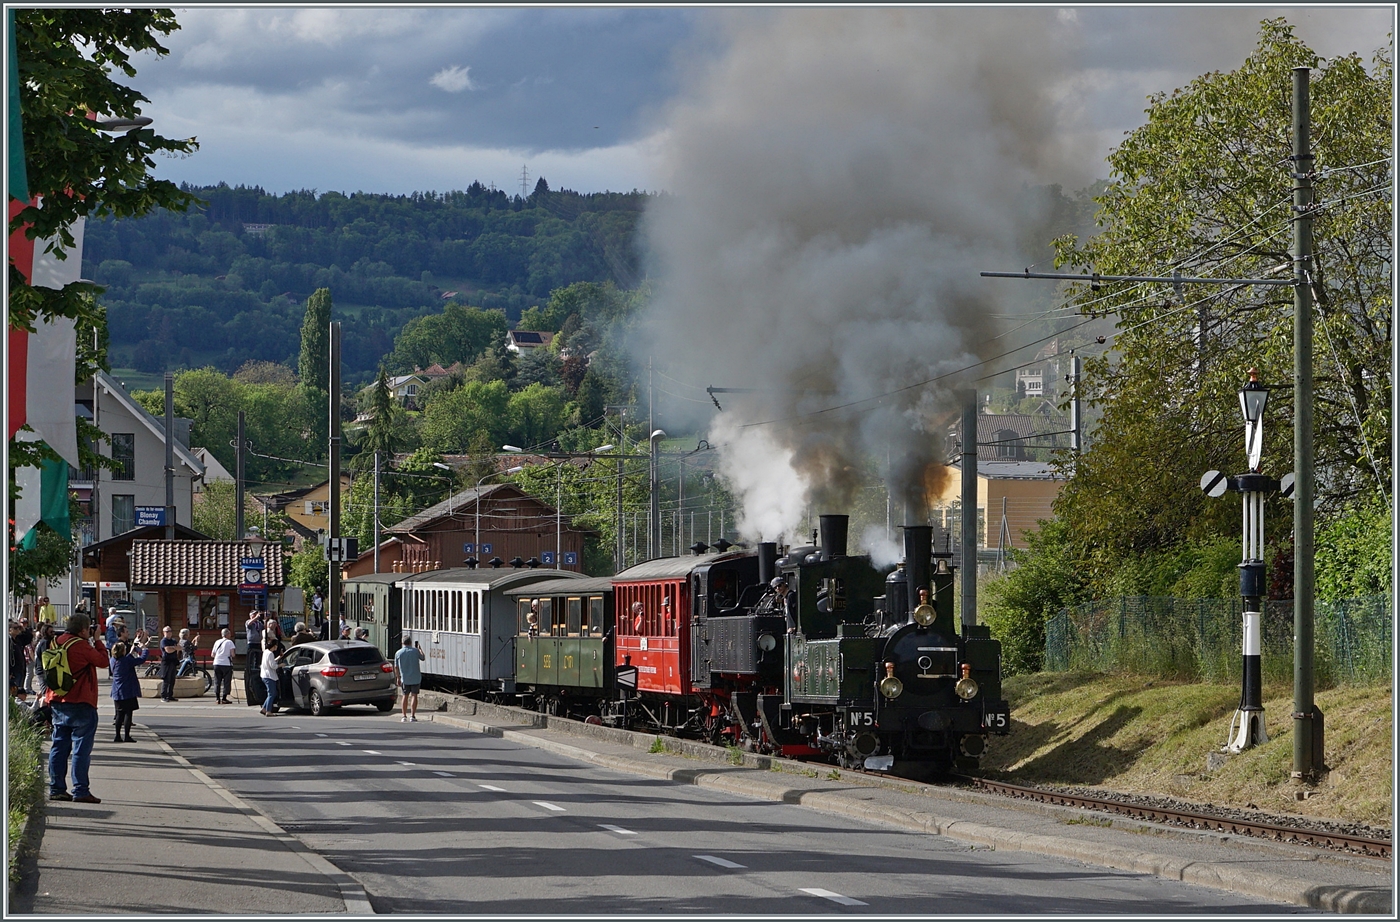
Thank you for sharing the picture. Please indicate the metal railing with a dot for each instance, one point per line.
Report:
(1200, 639)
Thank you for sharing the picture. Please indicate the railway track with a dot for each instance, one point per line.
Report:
(1293, 835)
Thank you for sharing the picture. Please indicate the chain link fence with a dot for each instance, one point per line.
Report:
(1199, 639)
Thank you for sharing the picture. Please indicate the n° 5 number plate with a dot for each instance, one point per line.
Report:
(860, 719)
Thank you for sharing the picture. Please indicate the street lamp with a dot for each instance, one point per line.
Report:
(450, 485)
(1253, 396)
(654, 538)
(1253, 486)
(476, 531)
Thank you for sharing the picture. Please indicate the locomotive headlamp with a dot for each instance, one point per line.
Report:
(891, 687)
(966, 688)
(924, 615)
(767, 642)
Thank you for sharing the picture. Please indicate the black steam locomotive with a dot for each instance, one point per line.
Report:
(875, 670)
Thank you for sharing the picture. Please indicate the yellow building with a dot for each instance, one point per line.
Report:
(1012, 496)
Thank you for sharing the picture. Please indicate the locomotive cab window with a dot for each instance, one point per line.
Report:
(575, 616)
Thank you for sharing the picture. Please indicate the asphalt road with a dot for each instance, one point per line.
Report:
(436, 819)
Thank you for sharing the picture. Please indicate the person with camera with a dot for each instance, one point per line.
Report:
(169, 663)
(75, 712)
(126, 687)
(410, 675)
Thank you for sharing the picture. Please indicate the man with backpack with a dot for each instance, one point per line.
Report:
(70, 674)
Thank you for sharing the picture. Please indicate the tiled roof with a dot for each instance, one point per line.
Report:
(465, 499)
(199, 564)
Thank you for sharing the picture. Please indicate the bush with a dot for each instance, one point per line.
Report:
(1016, 606)
(24, 764)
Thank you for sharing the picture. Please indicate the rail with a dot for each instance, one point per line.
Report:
(1294, 835)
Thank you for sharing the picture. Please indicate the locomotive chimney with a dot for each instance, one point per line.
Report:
(918, 549)
(767, 561)
(834, 535)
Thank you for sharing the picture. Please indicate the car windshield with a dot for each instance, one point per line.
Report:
(356, 656)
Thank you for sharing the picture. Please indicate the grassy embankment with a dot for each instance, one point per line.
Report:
(23, 758)
(1151, 736)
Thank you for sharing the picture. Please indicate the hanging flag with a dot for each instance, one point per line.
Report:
(43, 497)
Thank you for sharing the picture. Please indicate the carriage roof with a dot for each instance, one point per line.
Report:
(593, 584)
(671, 567)
(385, 578)
(491, 579)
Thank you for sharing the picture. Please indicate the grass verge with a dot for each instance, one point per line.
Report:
(23, 762)
(1152, 736)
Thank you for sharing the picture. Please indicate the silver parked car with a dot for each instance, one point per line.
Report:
(328, 673)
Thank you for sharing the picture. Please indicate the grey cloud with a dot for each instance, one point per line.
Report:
(542, 78)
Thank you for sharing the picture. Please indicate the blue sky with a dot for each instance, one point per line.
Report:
(397, 99)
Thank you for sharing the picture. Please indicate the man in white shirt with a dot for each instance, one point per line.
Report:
(223, 667)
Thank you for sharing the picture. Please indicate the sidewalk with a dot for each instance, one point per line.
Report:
(168, 839)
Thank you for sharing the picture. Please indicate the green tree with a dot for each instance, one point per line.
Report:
(1205, 187)
(314, 364)
(215, 512)
(454, 421)
(380, 434)
(459, 334)
(65, 59)
(536, 415)
(308, 569)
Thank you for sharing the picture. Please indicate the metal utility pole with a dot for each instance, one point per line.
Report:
(376, 510)
(1307, 719)
(238, 526)
(969, 508)
(654, 510)
(333, 529)
(1076, 411)
(169, 456)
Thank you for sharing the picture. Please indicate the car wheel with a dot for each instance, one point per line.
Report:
(384, 706)
(318, 707)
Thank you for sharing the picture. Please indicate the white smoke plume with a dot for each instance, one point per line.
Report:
(839, 177)
(884, 551)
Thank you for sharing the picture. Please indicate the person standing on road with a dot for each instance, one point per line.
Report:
(169, 663)
(223, 666)
(75, 714)
(269, 676)
(126, 687)
(253, 690)
(410, 675)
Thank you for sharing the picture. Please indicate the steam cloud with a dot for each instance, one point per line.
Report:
(839, 178)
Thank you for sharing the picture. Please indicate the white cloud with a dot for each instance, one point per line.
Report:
(453, 79)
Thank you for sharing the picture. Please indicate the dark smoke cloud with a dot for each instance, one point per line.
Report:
(839, 178)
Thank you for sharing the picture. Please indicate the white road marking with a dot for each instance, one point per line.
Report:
(445, 774)
(722, 862)
(547, 805)
(408, 763)
(491, 787)
(617, 829)
(342, 743)
(374, 752)
(834, 897)
(321, 735)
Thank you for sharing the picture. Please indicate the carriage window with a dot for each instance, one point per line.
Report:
(474, 600)
(575, 616)
(457, 612)
(546, 616)
(595, 617)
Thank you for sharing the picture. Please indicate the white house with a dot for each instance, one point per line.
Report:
(134, 493)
